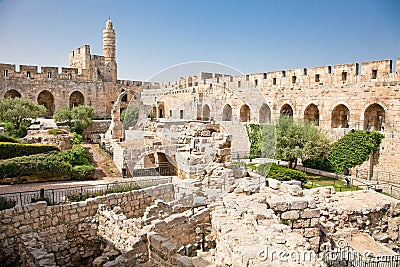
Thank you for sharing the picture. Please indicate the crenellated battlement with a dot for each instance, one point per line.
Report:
(11, 71)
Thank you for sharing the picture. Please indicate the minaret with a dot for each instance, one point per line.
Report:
(109, 50)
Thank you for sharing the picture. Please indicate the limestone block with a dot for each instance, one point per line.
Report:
(310, 213)
(292, 189)
(273, 183)
(278, 204)
(291, 214)
(298, 203)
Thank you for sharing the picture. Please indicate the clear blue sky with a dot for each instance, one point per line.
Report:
(252, 36)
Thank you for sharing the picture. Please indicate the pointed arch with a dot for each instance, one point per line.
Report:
(46, 99)
(76, 99)
(227, 113)
(286, 110)
(244, 113)
(312, 113)
(374, 117)
(265, 114)
(206, 112)
(340, 117)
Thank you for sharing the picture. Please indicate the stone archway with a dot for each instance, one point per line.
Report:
(245, 113)
(265, 114)
(227, 113)
(287, 110)
(161, 110)
(76, 99)
(340, 117)
(12, 93)
(312, 113)
(206, 112)
(374, 117)
(46, 99)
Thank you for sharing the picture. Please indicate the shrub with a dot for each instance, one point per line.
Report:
(83, 172)
(353, 149)
(8, 139)
(48, 165)
(54, 131)
(319, 164)
(76, 156)
(77, 138)
(284, 174)
(12, 150)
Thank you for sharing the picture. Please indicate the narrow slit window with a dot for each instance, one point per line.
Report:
(5, 73)
(305, 72)
(69, 76)
(273, 81)
(329, 70)
(344, 76)
(49, 75)
(238, 83)
(28, 74)
(317, 78)
(265, 76)
(374, 74)
(256, 82)
(294, 79)
(247, 77)
(283, 74)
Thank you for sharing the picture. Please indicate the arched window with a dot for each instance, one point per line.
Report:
(46, 99)
(76, 99)
(265, 114)
(12, 93)
(340, 117)
(227, 113)
(206, 112)
(374, 117)
(286, 110)
(245, 113)
(312, 113)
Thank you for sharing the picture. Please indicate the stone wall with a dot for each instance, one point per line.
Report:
(369, 212)
(33, 254)
(70, 231)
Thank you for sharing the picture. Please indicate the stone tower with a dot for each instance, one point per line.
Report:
(109, 50)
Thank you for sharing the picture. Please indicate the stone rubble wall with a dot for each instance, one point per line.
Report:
(33, 254)
(345, 213)
(70, 230)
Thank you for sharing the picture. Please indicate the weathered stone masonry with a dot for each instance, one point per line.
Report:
(70, 231)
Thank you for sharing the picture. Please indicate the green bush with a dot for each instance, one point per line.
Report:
(254, 135)
(54, 131)
(8, 139)
(12, 150)
(284, 174)
(44, 165)
(319, 164)
(83, 172)
(77, 156)
(77, 138)
(353, 149)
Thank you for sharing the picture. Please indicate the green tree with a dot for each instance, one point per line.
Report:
(18, 113)
(299, 140)
(130, 116)
(78, 118)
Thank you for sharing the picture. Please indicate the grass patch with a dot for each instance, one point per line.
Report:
(315, 180)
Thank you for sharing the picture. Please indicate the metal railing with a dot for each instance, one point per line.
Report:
(71, 194)
(349, 257)
(161, 169)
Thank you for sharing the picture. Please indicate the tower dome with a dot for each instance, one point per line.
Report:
(109, 24)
